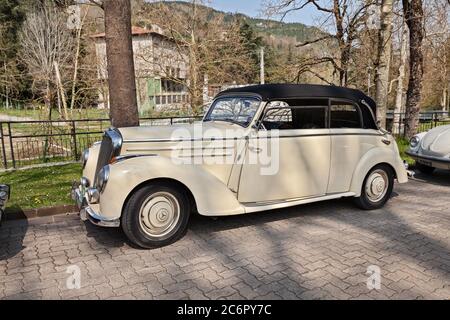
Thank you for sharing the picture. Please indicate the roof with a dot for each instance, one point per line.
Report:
(135, 31)
(271, 92)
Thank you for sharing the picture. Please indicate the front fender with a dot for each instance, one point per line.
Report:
(374, 157)
(212, 197)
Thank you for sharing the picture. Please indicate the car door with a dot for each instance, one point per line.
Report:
(349, 142)
(292, 152)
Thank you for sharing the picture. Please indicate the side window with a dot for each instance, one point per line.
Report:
(310, 117)
(278, 118)
(344, 115)
(301, 114)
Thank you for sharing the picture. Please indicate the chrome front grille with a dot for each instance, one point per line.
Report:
(109, 148)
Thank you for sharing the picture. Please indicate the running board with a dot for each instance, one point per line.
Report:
(263, 206)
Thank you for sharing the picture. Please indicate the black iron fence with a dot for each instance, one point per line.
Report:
(26, 143)
(395, 122)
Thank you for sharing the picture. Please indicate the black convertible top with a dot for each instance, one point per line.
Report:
(271, 92)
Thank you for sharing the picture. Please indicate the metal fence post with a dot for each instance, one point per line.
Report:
(74, 138)
(11, 145)
(5, 162)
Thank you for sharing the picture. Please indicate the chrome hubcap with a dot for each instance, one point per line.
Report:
(159, 214)
(377, 185)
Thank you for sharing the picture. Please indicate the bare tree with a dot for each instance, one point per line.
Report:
(45, 40)
(202, 48)
(347, 16)
(413, 12)
(399, 101)
(436, 50)
(384, 59)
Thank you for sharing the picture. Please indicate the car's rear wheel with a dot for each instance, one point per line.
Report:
(156, 215)
(424, 168)
(377, 188)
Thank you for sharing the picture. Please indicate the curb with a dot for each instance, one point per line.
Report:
(40, 212)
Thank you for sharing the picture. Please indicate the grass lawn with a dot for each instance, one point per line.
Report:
(403, 145)
(40, 187)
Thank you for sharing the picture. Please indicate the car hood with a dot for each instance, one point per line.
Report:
(437, 141)
(195, 130)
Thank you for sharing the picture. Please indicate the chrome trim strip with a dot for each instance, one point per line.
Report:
(246, 138)
(206, 155)
(179, 139)
(131, 156)
(430, 158)
(371, 112)
(178, 149)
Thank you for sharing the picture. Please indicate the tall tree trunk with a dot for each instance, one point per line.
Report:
(413, 13)
(77, 56)
(384, 60)
(400, 80)
(119, 54)
(61, 90)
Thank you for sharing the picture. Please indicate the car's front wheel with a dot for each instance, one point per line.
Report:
(424, 168)
(377, 188)
(156, 215)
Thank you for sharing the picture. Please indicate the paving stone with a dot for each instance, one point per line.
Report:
(318, 251)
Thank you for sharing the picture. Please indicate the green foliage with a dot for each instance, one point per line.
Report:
(403, 145)
(297, 31)
(40, 187)
(252, 44)
(12, 16)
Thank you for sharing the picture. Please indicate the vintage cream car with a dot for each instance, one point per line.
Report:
(257, 148)
(431, 149)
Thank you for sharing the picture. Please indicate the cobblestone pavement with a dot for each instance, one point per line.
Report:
(316, 251)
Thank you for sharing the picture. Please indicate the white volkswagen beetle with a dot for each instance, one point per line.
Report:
(257, 148)
(431, 149)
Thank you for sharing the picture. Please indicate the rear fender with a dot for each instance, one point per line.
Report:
(373, 157)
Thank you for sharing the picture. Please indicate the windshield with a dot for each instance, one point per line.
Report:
(236, 110)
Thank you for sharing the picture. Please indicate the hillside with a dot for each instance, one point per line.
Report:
(279, 32)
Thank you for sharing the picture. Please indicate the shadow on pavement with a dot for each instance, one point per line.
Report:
(12, 234)
(108, 237)
(439, 178)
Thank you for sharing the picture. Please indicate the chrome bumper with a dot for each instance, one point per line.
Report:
(79, 198)
(87, 213)
(440, 163)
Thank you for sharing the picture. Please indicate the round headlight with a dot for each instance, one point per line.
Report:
(85, 157)
(3, 195)
(414, 142)
(102, 178)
